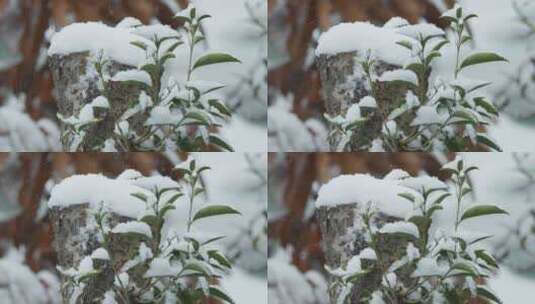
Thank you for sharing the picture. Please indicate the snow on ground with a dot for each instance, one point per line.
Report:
(513, 135)
(245, 136)
(511, 287)
(246, 288)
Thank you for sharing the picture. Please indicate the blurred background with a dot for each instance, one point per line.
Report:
(296, 108)
(27, 258)
(27, 103)
(296, 271)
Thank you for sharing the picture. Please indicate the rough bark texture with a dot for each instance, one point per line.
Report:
(343, 237)
(75, 237)
(344, 83)
(76, 83)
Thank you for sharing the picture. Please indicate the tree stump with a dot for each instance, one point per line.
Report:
(76, 236)
(344, 83)
(77, 83)
(343, 237)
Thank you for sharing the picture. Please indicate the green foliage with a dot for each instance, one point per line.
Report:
(437, 265)
(194, 264)
(178, 116)
(452, 111)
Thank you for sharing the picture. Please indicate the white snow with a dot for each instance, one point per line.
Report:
(18, 132)
(160, 267)
(122, 279)
(290, 133)
(133, 227)
(353, 113)
(362, 189)
(428, 267)
(97, 37)
(421, 30)
(397, 174)
(162, 115)
(428, 115)
(96, 189)
(18, 284)
(368, 102)
(399, 75)
(101, 102)
(423, 182)
(129, 22)
(100, 254)
(368, 254)
(156, 30)
(286, 283)
(363, 37)
(133, 75)
(400, 227)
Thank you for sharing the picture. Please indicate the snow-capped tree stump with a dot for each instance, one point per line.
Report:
(344, 83)
(77, 236)
(343, 237)
(77, 83)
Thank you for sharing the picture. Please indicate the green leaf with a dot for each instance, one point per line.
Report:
(465, 268)
(195, 267)
(356, 124)
(480, 58)
(440, 45)
(214, 210)
(167, 57)
(220, 106)
(448, 19)
(183, 19)
(217, 293)
(484, 139)
(214, 239)
(199, 117)
(482, 210)
(356, 276)
(467, 116)
(417, 68)
(488, 106)
(441, 198)
(173, 198)
(221, 259)
(482, 291)
(213, 58)
(432, 56)
(139, 44)
(150, 68)
(216, 140)
(487, 258)
(405, 44)
(140, 196)
(470, 16)
(407, 196)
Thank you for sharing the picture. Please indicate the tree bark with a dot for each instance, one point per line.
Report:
(76, 83)
(77, 236)
(343, 236)
(344, 83)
